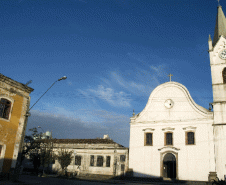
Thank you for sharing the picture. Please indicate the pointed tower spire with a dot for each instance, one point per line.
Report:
(220, 27)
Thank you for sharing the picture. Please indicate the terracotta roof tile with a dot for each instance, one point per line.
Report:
(82, 141)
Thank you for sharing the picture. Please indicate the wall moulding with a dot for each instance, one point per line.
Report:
(168, 129)
(148, 129)
(189, 128)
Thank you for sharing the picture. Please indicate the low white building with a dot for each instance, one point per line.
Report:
(173, 137)
(93, 156)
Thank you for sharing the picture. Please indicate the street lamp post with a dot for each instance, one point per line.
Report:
(28, 114)
(62, 78)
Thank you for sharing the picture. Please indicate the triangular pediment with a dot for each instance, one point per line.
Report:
(171, 101)
(220, 43)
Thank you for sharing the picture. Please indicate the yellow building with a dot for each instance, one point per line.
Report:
(14, 104)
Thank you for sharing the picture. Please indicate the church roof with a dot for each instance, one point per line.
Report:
(220, 27)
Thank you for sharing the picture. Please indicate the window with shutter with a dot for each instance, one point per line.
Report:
(5, 107)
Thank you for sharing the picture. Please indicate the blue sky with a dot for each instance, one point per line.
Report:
(113, 52)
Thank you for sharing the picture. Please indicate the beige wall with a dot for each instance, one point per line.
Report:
(98, 150)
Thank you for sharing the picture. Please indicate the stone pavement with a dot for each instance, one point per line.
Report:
(91, 180)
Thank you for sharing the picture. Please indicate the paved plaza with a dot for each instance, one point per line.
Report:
(32, 180)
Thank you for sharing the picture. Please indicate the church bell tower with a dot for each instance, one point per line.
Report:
(217, 53)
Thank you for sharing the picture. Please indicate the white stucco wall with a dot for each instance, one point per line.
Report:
(219, 106)
(194, 162)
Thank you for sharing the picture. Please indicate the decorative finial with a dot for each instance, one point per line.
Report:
(218, 2)
(170, 75)
(210, 38)
(133, 113)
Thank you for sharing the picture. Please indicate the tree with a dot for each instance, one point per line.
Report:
(31, 146)
(64, 157)
(46, 153)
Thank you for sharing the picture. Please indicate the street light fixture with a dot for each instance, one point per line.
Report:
(62, 78)
(41, 128)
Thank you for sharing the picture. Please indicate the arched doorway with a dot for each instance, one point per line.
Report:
(169, 166)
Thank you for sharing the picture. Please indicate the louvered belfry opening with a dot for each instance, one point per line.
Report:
(224, 75)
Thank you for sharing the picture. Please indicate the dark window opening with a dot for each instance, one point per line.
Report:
(224, 75)
(5, 106)
(78, 160)
(168, 139)
(108, 161)
(148, 139)
(100, 161)
(122, 158)
(190, 138)
(122, 167)
(92, 160)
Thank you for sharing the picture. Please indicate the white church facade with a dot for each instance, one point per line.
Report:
(175, 138)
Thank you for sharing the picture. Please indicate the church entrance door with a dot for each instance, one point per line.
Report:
(169, 166)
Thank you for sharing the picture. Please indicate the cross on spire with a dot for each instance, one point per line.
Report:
(218, 2)
(170, 75)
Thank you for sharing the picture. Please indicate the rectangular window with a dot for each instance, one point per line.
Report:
(100, 161)
(148, 139)
(78, 160)
(5, 106)
(169, 138)
(190, 138)
(92, 160)
(122, 158)
(108, 161)
(122, 167)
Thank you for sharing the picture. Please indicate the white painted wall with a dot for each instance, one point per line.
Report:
(194, 161)
(219, 106)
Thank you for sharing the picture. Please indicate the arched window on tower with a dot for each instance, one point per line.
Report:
(224, 75)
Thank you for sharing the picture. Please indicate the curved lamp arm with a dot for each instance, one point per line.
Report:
(62, 78)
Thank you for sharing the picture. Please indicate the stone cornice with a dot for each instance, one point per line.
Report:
(168, 129)
(15, 84)
(169, 121)
(168, 147)
(148, 129)
(189, 128)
